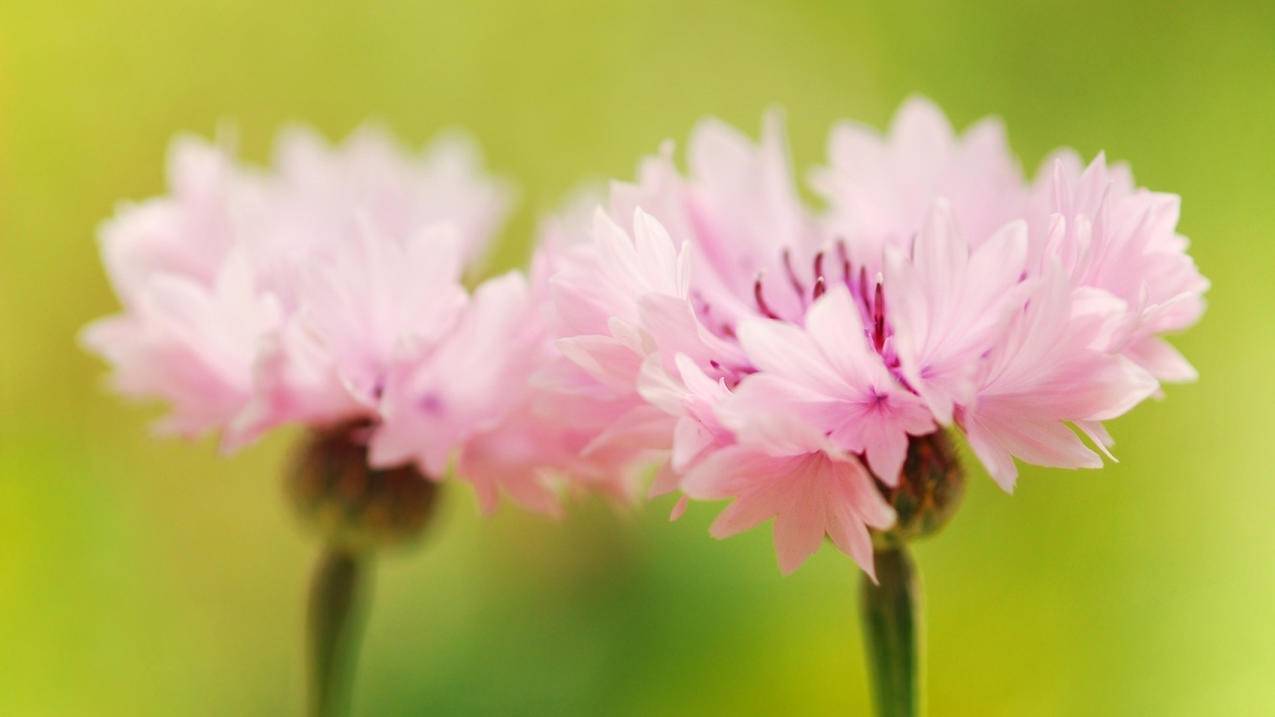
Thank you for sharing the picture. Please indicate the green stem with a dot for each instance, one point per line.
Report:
(891, 613)
(338, 597)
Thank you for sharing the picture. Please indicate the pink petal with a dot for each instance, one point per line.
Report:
(799, 529)
(1162, 360)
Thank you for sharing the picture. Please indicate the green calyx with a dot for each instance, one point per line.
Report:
(929, 490)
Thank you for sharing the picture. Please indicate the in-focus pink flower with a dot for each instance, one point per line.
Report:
(326, 290)
(880, 189)
(797, 353)
(1114, 237)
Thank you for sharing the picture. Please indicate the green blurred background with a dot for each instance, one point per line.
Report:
(145, 577)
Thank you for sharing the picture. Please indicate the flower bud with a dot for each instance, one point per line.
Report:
(929, 490)
(352, 505)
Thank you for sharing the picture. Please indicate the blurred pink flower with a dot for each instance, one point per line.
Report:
(557, 426)
(796, 353)
(324, 290)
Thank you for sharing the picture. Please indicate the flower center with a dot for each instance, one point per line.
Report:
(867, 292)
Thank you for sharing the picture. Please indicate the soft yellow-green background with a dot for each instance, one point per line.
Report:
(145, 577)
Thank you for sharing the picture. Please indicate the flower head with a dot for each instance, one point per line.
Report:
(799, 354)
(326, 290)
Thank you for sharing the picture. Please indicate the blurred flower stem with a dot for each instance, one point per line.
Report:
(339, 594)
(358, 512)
(891, 613)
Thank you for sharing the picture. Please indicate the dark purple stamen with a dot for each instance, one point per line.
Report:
(821, 285)
(761, 300)
(878, 318)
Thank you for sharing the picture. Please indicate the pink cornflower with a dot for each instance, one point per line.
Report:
(798, 353)
(325, 290)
